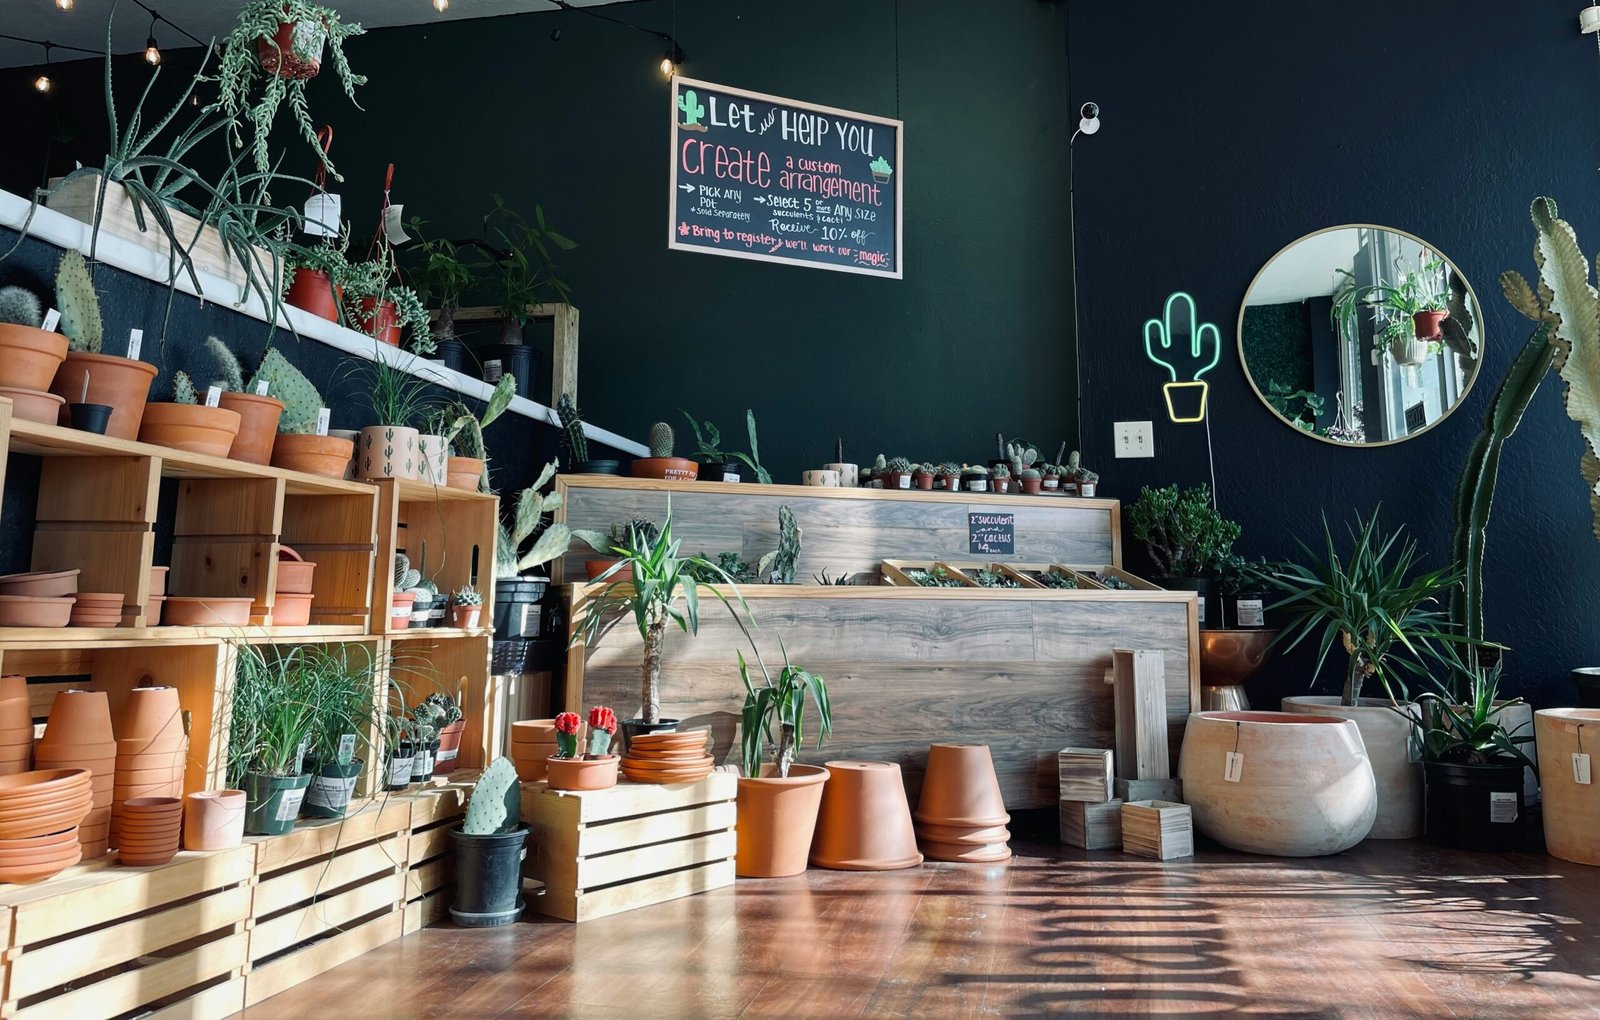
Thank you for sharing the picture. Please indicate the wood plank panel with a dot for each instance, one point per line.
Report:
(338, 534)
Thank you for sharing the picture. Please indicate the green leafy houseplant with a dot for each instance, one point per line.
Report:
(1373, 600)
(525, 270)
(1184, 533)
(752, 460)
(442, 275)
(781, 701)
(662, 592)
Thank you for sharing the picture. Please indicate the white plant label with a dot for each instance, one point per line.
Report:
(446, 754)
(135, 343)
(347, 748)
(1233, 767)
(214, 396)
(730, 476)
(1580, 770)
(399, 772)
(322, 215)
(52, 319)
(323, 417)
(1250, 613)
(289, 805)
(1502, 807)
(905, 481)
(261, 388)
(300, 755)
(331, 791)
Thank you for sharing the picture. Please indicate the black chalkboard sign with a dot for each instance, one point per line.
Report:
(992, 534)
(760, 177)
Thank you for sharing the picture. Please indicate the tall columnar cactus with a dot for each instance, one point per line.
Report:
(183, 389)
(691, 107)
(782, 561)
(79, 305)
(229, 372)
(19, 306)
(1074, 461)
(661, 440)
(572, 426)
(496, 804)
(301, 401)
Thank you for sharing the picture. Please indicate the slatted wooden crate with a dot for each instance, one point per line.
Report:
(430, 853)
(101, 940)
(600, 852)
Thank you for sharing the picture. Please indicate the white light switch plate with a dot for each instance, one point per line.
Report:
(1135, 439)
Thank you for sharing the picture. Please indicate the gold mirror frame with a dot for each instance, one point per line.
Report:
(1477, 306)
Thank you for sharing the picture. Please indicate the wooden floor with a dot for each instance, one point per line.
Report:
(1387, 930)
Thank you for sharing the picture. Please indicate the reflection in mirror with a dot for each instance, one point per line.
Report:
(1361, 335)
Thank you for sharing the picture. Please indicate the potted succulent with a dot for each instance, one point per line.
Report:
(344, 709)
(922, 475)
(259, 413)
(186, 424)
(298, 446)
(452, 725)
(975, 478)
(274, 715)
(949, 476)
(659, 577)
(577, 442)
(427, 719)
(378, 305)
(1187, 540)
(29, 355)
(423, 592)
(896, 473)
(1050, 477)
(1000, 477)
(317, 276)
(389, 448)
(517, 589)
(466, 608)
(716, 465)
(489, 848)
(1030, 480)
(87, 375)
(595, 770)
(1083, 481)
(399, 753)
(778, 799)
(661, 463)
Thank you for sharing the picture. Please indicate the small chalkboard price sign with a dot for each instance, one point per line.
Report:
(992, 534)
(762, 177)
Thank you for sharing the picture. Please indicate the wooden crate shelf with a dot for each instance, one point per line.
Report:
(456, 529)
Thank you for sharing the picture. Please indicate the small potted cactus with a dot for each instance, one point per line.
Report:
(1030, 479)
(897, 473)
(949, 476)
(489, 850)
(29, 355)
(661, 463)
(400, 755)
(922, 476)
(595, 770)
(1079, 479)
(427, 719)
(467, 607)
(187, 424)
(1088, 481)
(89, 376)
(1049, 477)
(975, 478)
(1000, 478)
(452, 725)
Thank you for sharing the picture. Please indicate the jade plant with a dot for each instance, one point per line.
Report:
(1183, 531)
(78, 304)
(781, 701)
(496, 802)
(780, 563)
(602, 726)
(20, 306)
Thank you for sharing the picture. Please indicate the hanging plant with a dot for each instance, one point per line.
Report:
(280, 42)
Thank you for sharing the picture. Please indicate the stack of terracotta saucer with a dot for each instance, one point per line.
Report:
(679, 757)
(532, 741)
(152, 750)
(291, 602)
(150, 828)
(16, 726)
(39, 817)
(78, 735)
(961, 815)
(39, 599)
(97, 609)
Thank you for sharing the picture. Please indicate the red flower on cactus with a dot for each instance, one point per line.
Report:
(567, 722)
(602, 718)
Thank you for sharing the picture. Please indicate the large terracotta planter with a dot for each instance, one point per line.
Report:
(1388, 738)
(864, 823)
(960, 788)
(777, 818)
(258, 426)
(463, 473)
(1305, 787)
(122, 384)
(312, 291)
(387, 451)
(33, 405)
(328, 456)
(1571, 809)
(582, 773)
(193, 428)
(29, 356)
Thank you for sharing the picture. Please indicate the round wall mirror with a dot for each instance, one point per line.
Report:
(1360, 335)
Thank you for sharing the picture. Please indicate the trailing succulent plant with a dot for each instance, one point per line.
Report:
(79, 305)
(468, 596)
(576, 442)
(780, 562)
(301, 401)
(183, 391)
(496, 802)
(20, 306)
(532, 506)
(661, 440)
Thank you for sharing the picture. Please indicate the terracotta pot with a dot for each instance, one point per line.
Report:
(463, 473)
(151, 717)
(379, 321)
(387, 451)
(213, 820)
(122, 384)
(44, 583)
(32, 405)
(102, 619)
(594, 568)
(1571, 809)
(400, 610)
(79, 719)
(671, 468)
(529, 760)
(960, 788)
(582, 773)
(922, 480)
(34, 611)
(327, 456)
(24, 873)
(48, 784)
(1001, 485)
(777, 818)
(168, 749)
(297, 53)
(433, 454)
(311, 290)
(294, 574)
(864, 823)
(449, 747)
(258, 426)
(1305, 786)
(962, 835)
(158, 581)
(193, 428)
(533, 731)
(1397, 773)
(1031, 486)
(290, 610)
(185, 611)
(1426, 324)
(963, 853)
(465, 617)
(30, 357)
(691, 775)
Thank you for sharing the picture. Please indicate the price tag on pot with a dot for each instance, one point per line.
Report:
(323, 417)
(1233, 767)
(347, 748)
(300, 755)
(1502, 807)
(214, 396)
(289, 805)
(52, 319)
(135, 343)
(1580, 770)
(261, 387)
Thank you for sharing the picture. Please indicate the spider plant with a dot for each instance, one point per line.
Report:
(274, 713)
(783, 700)
(338, 680)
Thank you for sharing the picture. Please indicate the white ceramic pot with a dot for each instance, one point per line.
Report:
(1571, 809)
(387, 451)
(1302, 786)
(849, 474)
(1396, 761)
(433, 457)
(825, 478)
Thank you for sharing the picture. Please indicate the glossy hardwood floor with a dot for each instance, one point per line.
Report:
(1387, 930)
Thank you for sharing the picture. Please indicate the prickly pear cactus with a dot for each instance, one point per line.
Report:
(661, 440)
(79, 305)
(183, 389)
(496, 804)
(301, 401)
(229, 372)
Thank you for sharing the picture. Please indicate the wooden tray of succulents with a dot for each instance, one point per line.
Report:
(941, 574)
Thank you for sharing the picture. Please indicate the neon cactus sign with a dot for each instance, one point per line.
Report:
(1187, 349)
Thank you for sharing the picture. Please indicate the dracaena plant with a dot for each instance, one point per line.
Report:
(780, 701)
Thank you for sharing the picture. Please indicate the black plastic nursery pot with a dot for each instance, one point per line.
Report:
(488, 891)
(1587, 680)
(516, 360)
(424, 758)
(330, 790)
(516, 607)
(596, 467)
(1206, 588)
(1245, 610)
(637, 727)
(454, 354)
(397, 768)
(1476, 807)
(720, 471)
(272, 803)
(90, 417)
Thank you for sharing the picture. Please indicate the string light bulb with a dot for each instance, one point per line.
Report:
(152, 52)
(65, 5)
(674, 56)
(441, 5)
(43, 84)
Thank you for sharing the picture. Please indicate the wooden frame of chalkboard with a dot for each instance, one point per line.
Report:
(678, 227)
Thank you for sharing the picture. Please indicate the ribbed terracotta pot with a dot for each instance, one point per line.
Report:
(387, 451)
(463, 473)
(327, 456)
(960, 788)
(193, 428)
(258, 426)
(1388, 737)
(864, 823)
(118, 382)
(1571, 809)
(29, 356)
(777, 819)
(1305, 787)
(582, 773)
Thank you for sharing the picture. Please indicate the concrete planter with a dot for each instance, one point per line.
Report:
(1396, 764)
